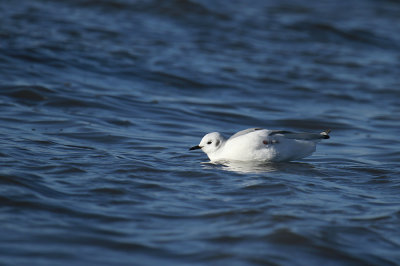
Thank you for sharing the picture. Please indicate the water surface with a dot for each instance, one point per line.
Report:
(100, 101)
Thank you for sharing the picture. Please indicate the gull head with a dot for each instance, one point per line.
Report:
(210, 143)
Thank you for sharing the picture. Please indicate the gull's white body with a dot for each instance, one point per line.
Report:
(256, 144)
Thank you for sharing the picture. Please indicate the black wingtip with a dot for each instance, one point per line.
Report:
(325, 134)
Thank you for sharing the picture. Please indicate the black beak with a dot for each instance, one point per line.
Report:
(195, 148)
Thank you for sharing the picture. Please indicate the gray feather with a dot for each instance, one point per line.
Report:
(244, 132)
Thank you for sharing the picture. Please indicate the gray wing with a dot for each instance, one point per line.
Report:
(244, 132)
(301, 136)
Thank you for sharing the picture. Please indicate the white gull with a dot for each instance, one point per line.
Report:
(257, 144)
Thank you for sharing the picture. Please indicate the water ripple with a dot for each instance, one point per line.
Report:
(100, 101)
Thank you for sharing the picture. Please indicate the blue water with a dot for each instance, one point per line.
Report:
(100, 101)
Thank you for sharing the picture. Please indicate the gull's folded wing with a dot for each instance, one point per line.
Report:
(244, 132)
(302, 136)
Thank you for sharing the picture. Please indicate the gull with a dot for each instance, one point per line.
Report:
(257, 144)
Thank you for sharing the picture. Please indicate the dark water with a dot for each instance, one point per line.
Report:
(100, 100)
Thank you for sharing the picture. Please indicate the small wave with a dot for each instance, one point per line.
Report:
(330, 33)
(26, 93)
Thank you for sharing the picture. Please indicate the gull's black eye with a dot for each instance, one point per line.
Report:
(209, 142)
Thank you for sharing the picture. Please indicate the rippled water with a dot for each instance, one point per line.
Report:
(100, 101)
